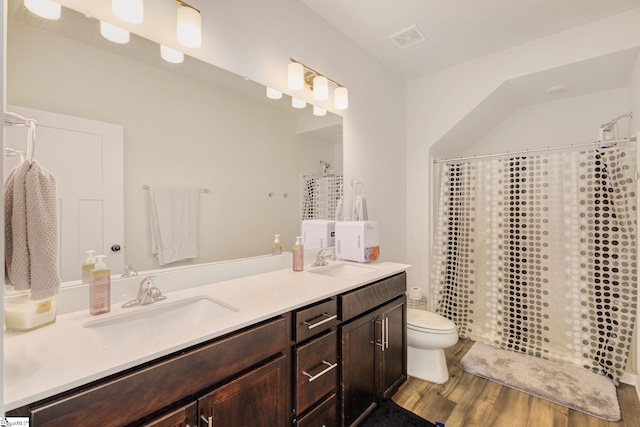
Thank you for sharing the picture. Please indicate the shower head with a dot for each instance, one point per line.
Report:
(607, 128)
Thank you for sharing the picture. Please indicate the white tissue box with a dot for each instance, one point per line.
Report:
(357, 241)
(318, 233)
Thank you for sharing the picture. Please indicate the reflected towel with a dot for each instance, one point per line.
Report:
(359, 209)
(339, 210)
(174, 223)
(31, 223)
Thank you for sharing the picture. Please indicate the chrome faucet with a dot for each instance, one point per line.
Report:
(129, 271)
(322, 256)
(147, 294)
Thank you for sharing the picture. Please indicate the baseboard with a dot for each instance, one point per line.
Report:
(630, 379)
(638, 390)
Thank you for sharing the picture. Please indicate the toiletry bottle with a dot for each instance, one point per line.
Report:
(88, 265)
(100, 288)
(298, 255)
(276, 248)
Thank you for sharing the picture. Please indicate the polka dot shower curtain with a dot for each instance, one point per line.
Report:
(537, 254)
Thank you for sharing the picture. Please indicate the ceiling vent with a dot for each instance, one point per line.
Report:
(408, 37)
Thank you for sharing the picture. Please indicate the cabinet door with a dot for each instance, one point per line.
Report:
(393, 355)
(183, 417)
(256, 399)
(358, 369)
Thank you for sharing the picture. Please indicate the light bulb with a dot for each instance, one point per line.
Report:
(131, 11)
(319, 111)
(320, 88)
(113, 33)
(44, 8)
(296, 76)
(189, 27)
(298, 103)
(273, 94)
(171, 55)
(341, 98)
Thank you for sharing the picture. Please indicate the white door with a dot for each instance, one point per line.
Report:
(86, 157)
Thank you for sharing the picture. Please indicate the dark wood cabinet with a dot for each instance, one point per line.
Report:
(146, 394)
(325, 365)
(358, 385)
(372, 348)
(256, 399)
(186, 416)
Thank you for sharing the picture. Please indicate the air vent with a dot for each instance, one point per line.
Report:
(408, 37)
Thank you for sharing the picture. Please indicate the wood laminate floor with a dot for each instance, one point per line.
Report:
(468, 401)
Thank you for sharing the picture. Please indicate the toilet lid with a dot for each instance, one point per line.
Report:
(428, 321)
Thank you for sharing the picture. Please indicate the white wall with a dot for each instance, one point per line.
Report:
(552, 124)
(256, 38)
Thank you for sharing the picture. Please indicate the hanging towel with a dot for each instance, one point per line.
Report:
(174, 223)
(31, 222)
(17, 255)
(42, 231)
(359, 211)
(339, 210)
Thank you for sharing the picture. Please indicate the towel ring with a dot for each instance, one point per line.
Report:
(355, 188)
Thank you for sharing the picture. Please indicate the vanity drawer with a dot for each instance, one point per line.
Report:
(324, 415)
(315, 319)
(316, 371)
(361, 300)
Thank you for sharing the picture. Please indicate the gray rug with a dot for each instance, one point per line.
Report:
(569, 386)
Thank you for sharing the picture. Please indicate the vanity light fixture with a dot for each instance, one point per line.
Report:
(297, 103)
(131, 11)
(171, 55)
(295, 76)
(189, 25)
(299, 76)
(113, 33)
(319, 111)
(273, 93)
(44, 8)
(320, 88)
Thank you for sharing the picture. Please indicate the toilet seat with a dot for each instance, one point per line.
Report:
(428, 322)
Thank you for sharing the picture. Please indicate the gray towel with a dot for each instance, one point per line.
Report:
(20, 266)
(42, 231)
(31, 252)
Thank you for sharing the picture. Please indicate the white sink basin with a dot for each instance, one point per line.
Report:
(343, 271)
(152, 321)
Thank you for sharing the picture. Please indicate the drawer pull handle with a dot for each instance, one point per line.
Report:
(318, 375)
(207, 420)
(326, 319)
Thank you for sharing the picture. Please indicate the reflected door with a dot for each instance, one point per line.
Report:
(86, 157)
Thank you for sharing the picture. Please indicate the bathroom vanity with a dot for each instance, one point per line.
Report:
(303, 349)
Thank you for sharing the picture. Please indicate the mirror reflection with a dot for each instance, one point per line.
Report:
(190, 124)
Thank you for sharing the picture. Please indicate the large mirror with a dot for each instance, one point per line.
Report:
(189, 124)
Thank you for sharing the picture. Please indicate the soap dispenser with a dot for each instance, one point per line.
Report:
(298, 255)
(88, 265)
(276, 247)
(100, 288)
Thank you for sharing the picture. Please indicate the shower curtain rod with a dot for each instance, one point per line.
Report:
(511, 153)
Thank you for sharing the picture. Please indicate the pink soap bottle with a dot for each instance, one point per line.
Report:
(298, 255)
(100, 288)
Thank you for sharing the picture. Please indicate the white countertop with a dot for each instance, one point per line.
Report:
(62, 356)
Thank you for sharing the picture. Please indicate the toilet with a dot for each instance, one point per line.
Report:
(428, 334)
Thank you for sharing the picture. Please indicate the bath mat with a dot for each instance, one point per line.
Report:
(569, 386)
(392, 415)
